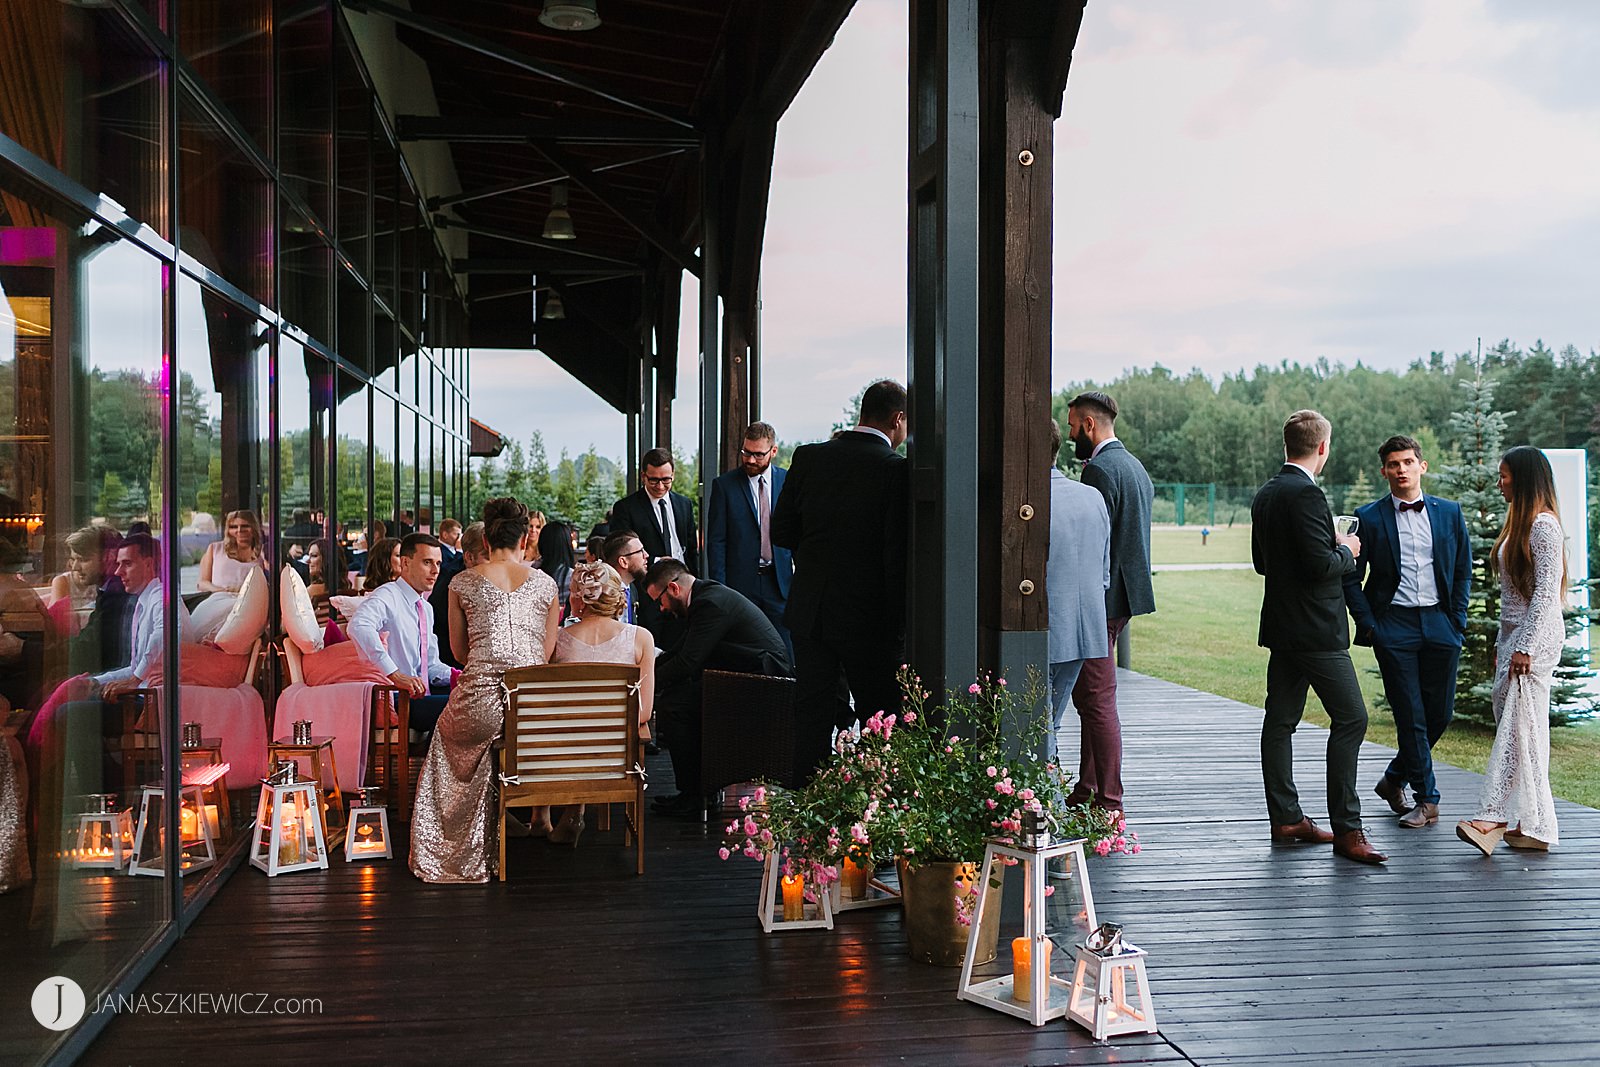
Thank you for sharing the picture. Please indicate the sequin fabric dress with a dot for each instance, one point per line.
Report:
(450, 824)
(1516, 787)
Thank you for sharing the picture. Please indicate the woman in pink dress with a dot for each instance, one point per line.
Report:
(600, 636)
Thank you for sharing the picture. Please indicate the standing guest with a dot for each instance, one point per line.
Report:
(1294, 546)
(739, 549)
(224, 567)
(474, 548)
(393, 627)
(503, 616)
(1530, 559)
(724, 632)
(1129, 494)
(451, 564)
(664, 520)
(383, 564)
(536, 521)
(1076, 577)
(301, 532)
(602, 530)
(600, 636)
(556, 558)
(404, 524)
(843, 513)
(1417, 562)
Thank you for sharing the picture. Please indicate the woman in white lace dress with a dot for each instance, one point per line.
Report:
(1530, 558)
(600, 636)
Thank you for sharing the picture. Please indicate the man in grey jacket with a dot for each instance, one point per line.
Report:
(1128, 493)
(1076, 578)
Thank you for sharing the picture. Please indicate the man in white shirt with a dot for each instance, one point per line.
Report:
(138, 566)
(1416, 560)
(399, 611)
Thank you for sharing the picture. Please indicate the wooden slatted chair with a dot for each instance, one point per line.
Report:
(572, 737)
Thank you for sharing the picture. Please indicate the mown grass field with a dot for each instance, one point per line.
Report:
(1203, 635)
(1182, 544)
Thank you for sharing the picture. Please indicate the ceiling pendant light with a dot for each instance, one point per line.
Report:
(570, 15)
(558, 224)
(552, 306)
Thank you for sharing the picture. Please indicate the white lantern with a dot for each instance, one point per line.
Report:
(105, 835)
(288, 831)
(1100, 1002)
(197, 847)
(783, 904)
(858, 886)
(368, 834)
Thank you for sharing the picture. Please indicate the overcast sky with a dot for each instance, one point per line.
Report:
(1238, 182)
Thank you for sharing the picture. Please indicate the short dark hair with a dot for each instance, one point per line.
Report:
(656, 457)
(449, 524)
(615, 542)
(663, 572)
(142, 543)
(594, 546)
(761, 431)
(1100, 405)
(413, 541)
(1055, 440)
(1303, 432)
(882, 402)
(1398, 443)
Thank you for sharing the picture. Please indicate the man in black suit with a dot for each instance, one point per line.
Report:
(843, 513)
(724, 632)
(739, 549)
(1303, 623)
(664, 520)
(451, 563)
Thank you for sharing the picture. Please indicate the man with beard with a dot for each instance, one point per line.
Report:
(724, 632)
(1129, 494)
(739, 549)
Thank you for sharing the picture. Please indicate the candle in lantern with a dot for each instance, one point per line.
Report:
(794, 898)
(289, 841)
(1022, 967)
(188, 824)
(213, 823)
(854, 879)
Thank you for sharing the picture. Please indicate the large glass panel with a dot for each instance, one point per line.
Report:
(355, 315)
(83, 605)
(350, 469)
(306, 258)
(305, 104)
(226, 209)
(386, 217)
(385, 349)
(354, 168)
(383, 451)
(230, 47)
(408, 459)
(82, 92)
(303, 394)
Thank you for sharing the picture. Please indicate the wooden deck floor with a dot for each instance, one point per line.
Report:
(1286, 956)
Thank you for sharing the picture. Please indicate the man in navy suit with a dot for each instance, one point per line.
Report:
(739, 549)
(1417, 562)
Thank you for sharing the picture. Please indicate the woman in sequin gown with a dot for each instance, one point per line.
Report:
(1529, 556)
(504, 615)
(600, 636)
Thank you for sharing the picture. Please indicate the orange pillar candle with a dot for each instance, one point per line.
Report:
(854, 879)
(1022, 967)
(794, 898)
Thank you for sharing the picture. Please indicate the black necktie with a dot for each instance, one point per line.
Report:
(1415, 505)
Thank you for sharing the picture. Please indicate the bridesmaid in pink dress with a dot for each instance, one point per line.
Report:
(599, 636)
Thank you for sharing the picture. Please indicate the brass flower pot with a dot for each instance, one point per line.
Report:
(928, 895)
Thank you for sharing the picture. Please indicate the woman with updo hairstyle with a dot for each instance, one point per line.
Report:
(600, 636)
(505, 523)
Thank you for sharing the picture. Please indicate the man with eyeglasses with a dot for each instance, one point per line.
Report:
(664, 520)
(739, 549)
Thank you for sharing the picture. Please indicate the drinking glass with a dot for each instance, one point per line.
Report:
(1345, 525)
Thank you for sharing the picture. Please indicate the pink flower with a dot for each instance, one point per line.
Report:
(955, 740)
(750, 827)
(858, 834)
(724, 853)
(750, 850)
(1026, 794)
(1102, 847)
(744, 803)
(1005, 787)
(761, 794)
(1120, 843)
(1134, 850)
(1049, 890)
(990, 771)
(991, 803)
(947, 748)
(911, 716)
(974, 689)
(1002, 681)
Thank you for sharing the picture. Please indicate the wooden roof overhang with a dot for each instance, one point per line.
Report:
(636, 118)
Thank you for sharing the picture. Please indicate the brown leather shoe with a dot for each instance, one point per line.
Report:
(1424, 814)
(1394, 795)
(1304, 832)
(1353, 845)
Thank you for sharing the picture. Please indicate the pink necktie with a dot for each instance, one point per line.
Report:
(422, 640)
(764, 510)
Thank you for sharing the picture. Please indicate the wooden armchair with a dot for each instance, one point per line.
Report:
(387, 755)
(572, 737)
(747, 730)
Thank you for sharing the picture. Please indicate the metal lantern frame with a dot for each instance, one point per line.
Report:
(207, 752)
(818, 914)
(323, 770)
(108, 824)
(1098, 1000)
(365, 814)
(1048, 997)
(286, 793)
(878, 893)
(194, 854)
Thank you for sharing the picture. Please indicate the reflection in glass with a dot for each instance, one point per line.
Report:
(302, 449)
(230, 47)
(305, 259)
(352, 158)
(351, 458)
(355, 314)
(305, 88)
(383, 446)
(226, 207)
(408, 459)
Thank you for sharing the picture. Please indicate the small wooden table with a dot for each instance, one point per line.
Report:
(208, 753)
(318, 755)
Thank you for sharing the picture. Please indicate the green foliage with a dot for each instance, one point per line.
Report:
(578, 491)
(1359, 494)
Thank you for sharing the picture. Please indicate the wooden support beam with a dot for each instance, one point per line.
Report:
(615, 202)
(484, 47)
(516, 130)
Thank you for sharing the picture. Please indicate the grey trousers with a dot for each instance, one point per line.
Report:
(1333, 677)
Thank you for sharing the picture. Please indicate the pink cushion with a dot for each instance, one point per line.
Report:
(204, 665)
(341, 663)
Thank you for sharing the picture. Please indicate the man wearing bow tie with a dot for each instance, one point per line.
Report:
(1416, 559)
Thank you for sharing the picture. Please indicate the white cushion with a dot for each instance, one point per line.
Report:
(248, 619)
(299, 614)
(346, 605)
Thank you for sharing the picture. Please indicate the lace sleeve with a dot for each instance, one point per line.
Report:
(1544, 540)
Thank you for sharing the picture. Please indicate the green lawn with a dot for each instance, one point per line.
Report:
(1181, 544)
(1204, 636)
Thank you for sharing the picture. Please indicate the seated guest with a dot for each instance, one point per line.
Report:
(556, 557)
(383, 564)
(399, 611)
(536, 521)
(600, 636)
(91, 571)
(724, 632)
(451, 564)
(223, 570)
(328, 578)
(593, 547)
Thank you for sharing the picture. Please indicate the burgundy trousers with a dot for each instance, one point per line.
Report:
(1100, 758)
